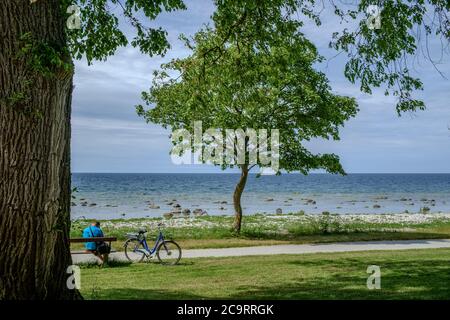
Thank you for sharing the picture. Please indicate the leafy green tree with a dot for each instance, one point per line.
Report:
(242, 83)
(36, 72)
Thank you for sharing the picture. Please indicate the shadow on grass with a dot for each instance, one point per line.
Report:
(343, 236)
(423, 280)
(183, 263)
(343, 279)
(141, 294)
(110, 264)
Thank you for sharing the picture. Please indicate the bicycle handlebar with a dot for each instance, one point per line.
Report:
(142, 231)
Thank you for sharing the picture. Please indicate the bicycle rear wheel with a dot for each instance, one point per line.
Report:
(168, 252)
(132, 253)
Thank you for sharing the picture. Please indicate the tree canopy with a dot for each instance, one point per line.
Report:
(258, 85)
(375, 58)
(101, 33)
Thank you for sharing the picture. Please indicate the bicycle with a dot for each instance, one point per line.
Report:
(168, 252)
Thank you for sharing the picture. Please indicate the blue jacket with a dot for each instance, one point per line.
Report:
(90, 232)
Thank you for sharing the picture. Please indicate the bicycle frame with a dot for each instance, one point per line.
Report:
(147, 251)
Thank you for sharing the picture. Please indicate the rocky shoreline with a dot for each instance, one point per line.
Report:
(283, 220)
(172, 208)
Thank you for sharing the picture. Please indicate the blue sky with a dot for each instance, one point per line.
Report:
(108, 136)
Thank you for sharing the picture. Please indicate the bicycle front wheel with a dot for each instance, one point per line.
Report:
(168, 252)
(134, 250)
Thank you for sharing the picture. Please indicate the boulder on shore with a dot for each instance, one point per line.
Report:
(176, 210)
(168, 215)
(425, 210)
(176, 214)
(199, 212)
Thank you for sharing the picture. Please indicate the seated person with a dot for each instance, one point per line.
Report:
(93, 231)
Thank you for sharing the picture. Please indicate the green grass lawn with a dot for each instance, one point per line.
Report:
(409, 274)
(258, 229)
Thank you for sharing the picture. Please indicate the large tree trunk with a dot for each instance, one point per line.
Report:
(35, 186)
(237, 199)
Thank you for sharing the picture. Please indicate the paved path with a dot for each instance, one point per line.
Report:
(294, 249)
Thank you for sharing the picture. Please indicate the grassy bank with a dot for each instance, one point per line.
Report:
(258, 229)
(410, 274)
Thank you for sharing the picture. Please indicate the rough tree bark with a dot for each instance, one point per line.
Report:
(237, 198)
(35, 189)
